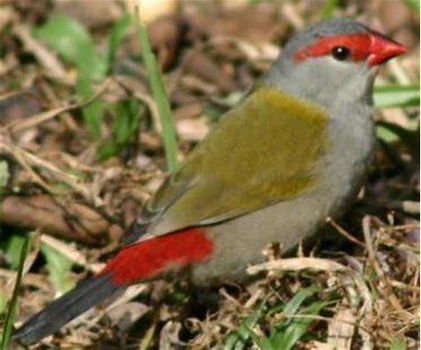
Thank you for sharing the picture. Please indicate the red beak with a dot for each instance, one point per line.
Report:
(383, 49)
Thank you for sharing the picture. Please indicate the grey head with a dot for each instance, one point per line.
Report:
(328, 28)
(330, 58)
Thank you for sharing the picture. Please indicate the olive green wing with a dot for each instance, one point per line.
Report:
(263, 151)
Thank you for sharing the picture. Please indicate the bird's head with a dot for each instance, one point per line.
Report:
(339, 55)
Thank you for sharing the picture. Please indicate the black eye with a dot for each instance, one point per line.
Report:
(341, 53)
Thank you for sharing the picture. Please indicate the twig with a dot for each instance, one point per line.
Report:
(344, 233)
(373, 260)
(38, 118)
(44, 56)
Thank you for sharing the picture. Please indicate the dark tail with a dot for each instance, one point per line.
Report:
(87, 294)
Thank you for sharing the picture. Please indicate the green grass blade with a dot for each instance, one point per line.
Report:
(396, 96)
(328, 10)
(7, 331)
(397, 344)
(93, 112)
(4, 175)
(11, 247)
(124, 129)
(59, 268)
(160, 95)
(119, 31)
(287, 338)
(295, 303)
(238, 339)
(262, 343)
(126, 121)
(72, 41)
(414, 4)
(385, 134)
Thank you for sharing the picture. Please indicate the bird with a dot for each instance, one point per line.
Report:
(293, 152)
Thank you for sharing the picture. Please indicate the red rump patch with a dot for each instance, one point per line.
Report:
(146, 259)
(358, 44)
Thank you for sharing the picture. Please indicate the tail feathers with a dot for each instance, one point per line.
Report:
(87, 294)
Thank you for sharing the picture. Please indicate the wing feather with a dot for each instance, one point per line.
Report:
(265, 150)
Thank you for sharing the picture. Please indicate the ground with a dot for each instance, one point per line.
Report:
(81, 144)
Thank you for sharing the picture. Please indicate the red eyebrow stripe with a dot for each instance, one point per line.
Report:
(359, 44)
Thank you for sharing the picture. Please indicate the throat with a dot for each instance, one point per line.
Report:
(325, 85)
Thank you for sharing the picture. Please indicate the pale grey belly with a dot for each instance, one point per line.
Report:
(239, 242)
